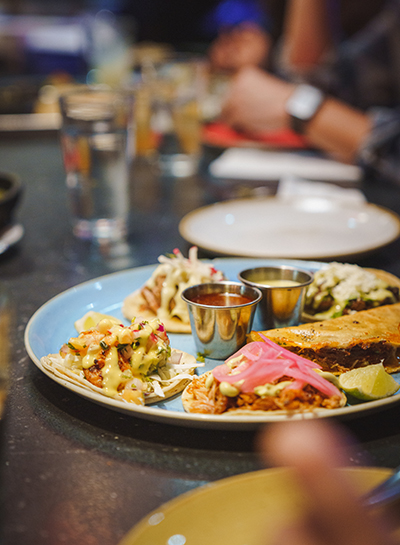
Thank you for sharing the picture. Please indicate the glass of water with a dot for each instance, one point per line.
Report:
(96, 134)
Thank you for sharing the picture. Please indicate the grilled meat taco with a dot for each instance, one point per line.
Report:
(342, 288)
(348, 342)
(161, 295)
(134, 364)
(261, 377)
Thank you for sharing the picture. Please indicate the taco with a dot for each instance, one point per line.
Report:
(134, 364)
(341, 288)
(259, 378)
(344, 343)
(161, 295)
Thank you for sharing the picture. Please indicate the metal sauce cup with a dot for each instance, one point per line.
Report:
(283, 299)
(219, 331)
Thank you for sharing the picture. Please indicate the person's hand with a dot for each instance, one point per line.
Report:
(255, 102)
(335, 515)
(244, 45)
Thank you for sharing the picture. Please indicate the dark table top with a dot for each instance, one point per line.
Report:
(76, 472)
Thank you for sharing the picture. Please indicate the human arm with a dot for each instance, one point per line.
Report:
(256, 102)
(307, 34)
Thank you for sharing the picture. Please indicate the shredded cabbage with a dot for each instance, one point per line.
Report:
(180, 273)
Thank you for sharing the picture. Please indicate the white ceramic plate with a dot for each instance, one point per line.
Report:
(307, 228)
(245, 509)
(53, 324)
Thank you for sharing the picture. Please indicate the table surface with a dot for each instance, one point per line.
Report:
(76, 472)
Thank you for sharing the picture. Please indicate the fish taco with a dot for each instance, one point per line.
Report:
(134, 363)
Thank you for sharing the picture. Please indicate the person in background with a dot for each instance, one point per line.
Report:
(243, 35)
(191, 26)
(243, 45)
(245, 41)
(335, 515)
(335, 78)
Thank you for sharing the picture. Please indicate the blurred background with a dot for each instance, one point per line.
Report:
(45, 44)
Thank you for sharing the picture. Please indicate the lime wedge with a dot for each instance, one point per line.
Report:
(368, 383)
(91, 319)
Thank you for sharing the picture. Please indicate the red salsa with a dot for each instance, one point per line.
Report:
(221, 299)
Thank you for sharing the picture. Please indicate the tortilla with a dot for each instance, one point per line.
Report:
(344, 343)
(390, 279)
(194, 401)
(54, 364)
(134, 306)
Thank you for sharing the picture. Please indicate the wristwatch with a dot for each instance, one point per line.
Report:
(302, 105)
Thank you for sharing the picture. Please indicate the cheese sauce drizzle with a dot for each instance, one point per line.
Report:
(118, 358)
(342, 283)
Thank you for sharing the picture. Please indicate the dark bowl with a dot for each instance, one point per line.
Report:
(10, 193)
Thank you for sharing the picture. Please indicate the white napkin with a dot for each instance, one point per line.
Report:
(318, 193)
(256, 164)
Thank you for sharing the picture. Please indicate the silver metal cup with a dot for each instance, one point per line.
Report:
(283, 303)
(219, 331)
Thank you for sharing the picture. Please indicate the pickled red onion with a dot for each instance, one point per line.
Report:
(259, 363)
(288, 353)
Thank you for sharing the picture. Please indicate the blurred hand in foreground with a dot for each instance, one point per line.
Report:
(243, 45)
(335, 516)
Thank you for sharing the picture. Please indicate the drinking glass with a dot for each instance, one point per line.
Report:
(96, 144)
(169, 117)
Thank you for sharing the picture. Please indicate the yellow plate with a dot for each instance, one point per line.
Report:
(249, 508)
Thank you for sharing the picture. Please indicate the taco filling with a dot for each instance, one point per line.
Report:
(133, 363)
(161, 295)
(342, 288)
(262, 376)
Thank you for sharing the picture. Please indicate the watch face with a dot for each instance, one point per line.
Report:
(304, 102)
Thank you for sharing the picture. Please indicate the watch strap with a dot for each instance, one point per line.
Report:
(298, 125)
(302, 106)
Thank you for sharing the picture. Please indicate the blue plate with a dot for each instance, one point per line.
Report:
(53, 324)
